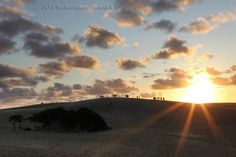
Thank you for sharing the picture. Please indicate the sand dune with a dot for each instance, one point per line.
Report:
(140, 128)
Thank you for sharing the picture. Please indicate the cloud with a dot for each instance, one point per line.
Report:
(43, 46)
(231, 69)
(6, 45)
(128, 18)
(206, 57)
(10, 71)
(85, 62)
(57, 69)
(202, 24)
(15, 25)
(40, 40)
(11, 11)
(131, 64)
(136, 45)
(96, 36)
(62, 92)
(148, 94)
(54, 68)
(225, 80)
(223, 17)
(212, 71)
(149, 75)
(164, 25)
(17, 94)
(129, 13)
(199, 26)
(12, 76)
(118, 86)
(106, 14)
(226, 77)
(10, 83)
(174, 48)
(20, 2)
(178, 78)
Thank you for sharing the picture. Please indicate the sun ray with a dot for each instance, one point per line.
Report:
(122, 137)
(155, 117)
(185, 131)
(212, 124)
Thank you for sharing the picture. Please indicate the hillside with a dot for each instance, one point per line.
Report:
(140, 128)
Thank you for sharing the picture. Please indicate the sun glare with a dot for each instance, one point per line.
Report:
(201, 90)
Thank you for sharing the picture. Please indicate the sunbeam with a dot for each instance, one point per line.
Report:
(212, 124)
(131, 132)
(185, 131)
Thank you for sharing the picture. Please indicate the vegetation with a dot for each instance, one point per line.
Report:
(83, 119)
(16, 119)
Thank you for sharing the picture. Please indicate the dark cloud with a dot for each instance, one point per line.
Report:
(199, 26)
(100, 37)
(98, 88)
(85, 62)
(118, 86)
(164, 25)
(9, 71)
(61, 92)
(77, 86)
(16, 25)
(12, 76)
(231, 69)
(59, 87)
(6, 45)
(131, 13)
(149, 75)
(129, 64)
(54, 68)
(128, 18)
(44, 46)
(17, 94)
(9, 83)
(165, 5)
(178, 78)
(173, 48)
(40, 40)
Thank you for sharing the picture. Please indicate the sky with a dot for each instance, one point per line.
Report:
(70, 50)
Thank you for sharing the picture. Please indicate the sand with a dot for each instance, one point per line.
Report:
(140, 128)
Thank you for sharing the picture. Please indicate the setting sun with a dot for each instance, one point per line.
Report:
(201, 90)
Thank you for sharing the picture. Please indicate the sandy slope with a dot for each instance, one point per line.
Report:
(140, 128)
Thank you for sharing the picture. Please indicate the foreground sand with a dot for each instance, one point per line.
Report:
(139, 129)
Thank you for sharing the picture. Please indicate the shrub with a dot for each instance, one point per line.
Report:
(59, 118)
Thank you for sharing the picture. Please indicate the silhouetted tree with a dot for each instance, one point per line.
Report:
(16, 119)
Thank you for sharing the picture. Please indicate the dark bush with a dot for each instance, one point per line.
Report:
(16, 119)
(60, 119)
(27, 129)
(90, 121)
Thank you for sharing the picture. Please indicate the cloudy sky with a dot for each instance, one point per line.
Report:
(68, 50)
